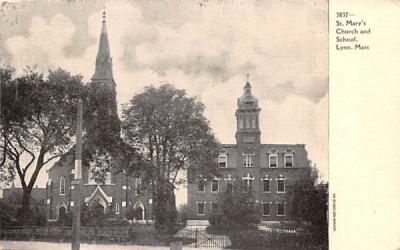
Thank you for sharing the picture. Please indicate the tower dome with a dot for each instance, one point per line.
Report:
(247, 100)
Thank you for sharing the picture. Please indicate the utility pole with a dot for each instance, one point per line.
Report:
(76, 223)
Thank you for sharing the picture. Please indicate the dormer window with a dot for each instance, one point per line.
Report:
(288, 158)
(223, 159)
(273, 159)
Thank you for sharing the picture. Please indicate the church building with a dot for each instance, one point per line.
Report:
(269, 170)
(117, 193)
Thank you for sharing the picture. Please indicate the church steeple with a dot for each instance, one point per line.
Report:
(103, 71)
(102, 122)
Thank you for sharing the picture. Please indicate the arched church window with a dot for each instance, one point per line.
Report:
(62, 186)
(117, 208)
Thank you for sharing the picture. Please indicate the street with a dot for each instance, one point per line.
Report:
(34, 245)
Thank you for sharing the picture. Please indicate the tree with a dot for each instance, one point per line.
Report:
(169, 130)
(38, 119)
(310, 205)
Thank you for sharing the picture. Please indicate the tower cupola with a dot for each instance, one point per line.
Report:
(247, 117)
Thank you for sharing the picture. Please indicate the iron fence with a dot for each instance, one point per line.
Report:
(60, 234)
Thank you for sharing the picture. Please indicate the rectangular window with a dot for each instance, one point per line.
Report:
(273, 161)
(265, 208)
(200, 208)
(214, 206)
(248, 123)
(280, 209)
(214, 186)
(266, 186)
(229, 187)
(281, 186)
(247, 185)
(201, 186)
(248, 160)
(289, 161)
(254, 123)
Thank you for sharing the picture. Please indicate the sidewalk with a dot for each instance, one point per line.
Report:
(35, 245)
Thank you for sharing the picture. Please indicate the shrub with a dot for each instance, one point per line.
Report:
(238, 211)
(216, 218)
(244, 239)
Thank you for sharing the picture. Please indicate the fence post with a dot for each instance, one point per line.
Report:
(95, 234)
(196, 238)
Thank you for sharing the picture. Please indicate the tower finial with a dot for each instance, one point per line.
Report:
(104, 14)
(248, 76)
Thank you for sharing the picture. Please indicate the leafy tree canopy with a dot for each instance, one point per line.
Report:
(169, 130)
(38, 121)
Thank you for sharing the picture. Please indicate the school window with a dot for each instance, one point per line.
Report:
(200, 208)
(214, 186)
(223, 160)
(214, 206)
(281, 186)
(248, 160)
(265, 209)
(247, 185)
(138, 185)
(62, 186)
(266, 188)
(229, 187)
(201, 186)
(288, 161)
(273, 161)
(280, 209)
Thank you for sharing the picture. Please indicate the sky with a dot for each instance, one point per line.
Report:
(203, 46)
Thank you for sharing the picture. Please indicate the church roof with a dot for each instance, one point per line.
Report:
(101, 192)
(103, 71)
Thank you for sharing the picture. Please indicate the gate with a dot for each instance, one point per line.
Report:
(197, 236)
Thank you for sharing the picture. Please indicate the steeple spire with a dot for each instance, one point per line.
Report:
(103, 70)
